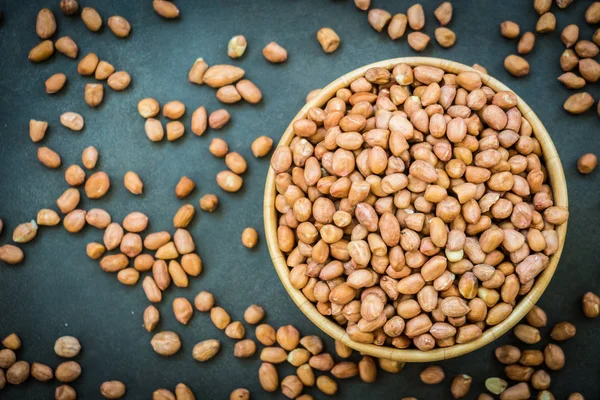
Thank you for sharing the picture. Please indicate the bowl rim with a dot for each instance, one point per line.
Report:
(337, 332)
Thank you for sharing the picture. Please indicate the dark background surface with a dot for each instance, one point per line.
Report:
(59, 291)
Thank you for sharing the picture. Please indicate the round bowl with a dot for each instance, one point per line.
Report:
(330, 327)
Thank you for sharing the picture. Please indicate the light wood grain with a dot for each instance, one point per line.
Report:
(330, 327)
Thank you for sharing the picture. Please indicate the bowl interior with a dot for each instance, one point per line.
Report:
(330, 327)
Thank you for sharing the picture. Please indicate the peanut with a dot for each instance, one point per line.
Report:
(113, 389)
(184, 187)
(48, 157)
(221, 75)
(209, 202)
(97, 185)
(204, 301)
(587, 163)
(509, 29)
(249, 238)
(205, 350)
(196, 74)
(37, 130)
(47, 217)
(397, 26)
(103, 70)
(41, 52)
(75, 175)
(378, 18)
(65, 392)
(199, 121)
(68, 371)
(173, 109)
(12, 342)
(268, 377)
(67, 347)
(261, 146)
(546, 23)
(591, 305)
(229, 181)
(88, 64)
(579, 103)
(563, 331)
(89, 157)
(444, 13)
(69, 7)
(91, 19)
(41, 372)
(516, 65)
(166, 343)
(249, 91)
(240, 394)
(182, 219)
(569, 35)
(254, 314)
(96, 217)
(445, 37)
(55, 83)
(328, 39)
(418, 41)
(94, 93)
(119, 80)
(592, 14)
(228, 94)
(526, 43)
(25, 232)
(274, 53)
(72, 121)
(148, 107)
(67, 46)
(119, 26)
(218, 119)
(165, 9)
(18, 373)
(45, 24)
(133, 183)
(236, 46)
(432, 375)
(182, 309)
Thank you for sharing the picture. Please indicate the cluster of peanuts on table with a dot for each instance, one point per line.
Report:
(415, 210)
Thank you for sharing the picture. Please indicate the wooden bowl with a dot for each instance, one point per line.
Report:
(330, 327)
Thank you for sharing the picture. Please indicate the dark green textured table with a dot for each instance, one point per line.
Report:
(59, 291)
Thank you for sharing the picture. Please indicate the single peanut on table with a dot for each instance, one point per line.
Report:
(67, 46)
(236, 46)
(587, 163)
(249, 237)
(274, 53)
(328, 39)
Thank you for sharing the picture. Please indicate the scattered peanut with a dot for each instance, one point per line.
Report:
(67, 46)
(509, 29)
(119, 26)
(209, 202)
(165, 9)
(184, 187)
(328, 39)
(55, 83)
(249, 237)
(274, 53)
(236, 46)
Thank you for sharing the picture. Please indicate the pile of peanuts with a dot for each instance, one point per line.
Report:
(414, 207)
(415, 19)
(17, 372)
(579, 53)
